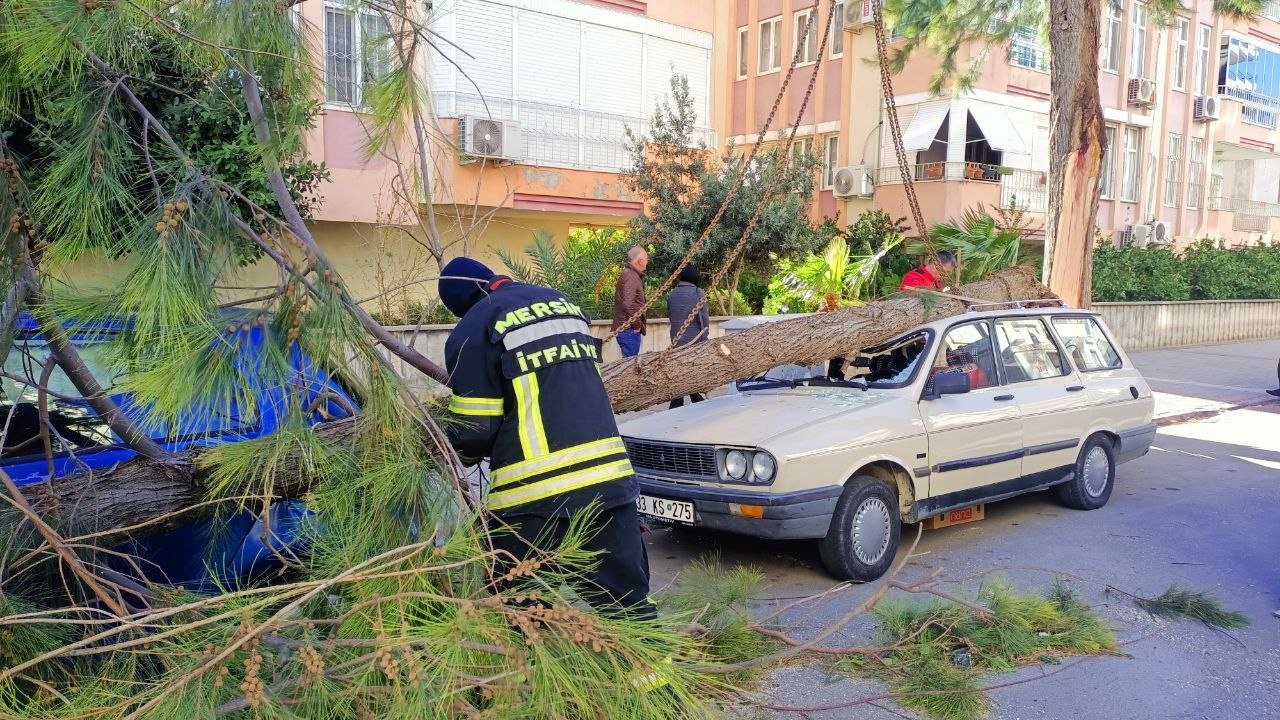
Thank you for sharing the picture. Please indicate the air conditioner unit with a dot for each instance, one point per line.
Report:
(859, 14)
(1140, 235)
(1207, 108)
(1142, 92)
(1125, 236)
(489, 138)
(1161, 233)
(853, 181)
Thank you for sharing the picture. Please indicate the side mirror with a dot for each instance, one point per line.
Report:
(950, 384)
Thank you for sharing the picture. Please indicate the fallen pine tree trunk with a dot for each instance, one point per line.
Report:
(652, 378)
(141, 490)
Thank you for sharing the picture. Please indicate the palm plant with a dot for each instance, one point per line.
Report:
(981, 242)
(584, 268)
(835, 277)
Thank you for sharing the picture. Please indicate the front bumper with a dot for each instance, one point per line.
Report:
(801, 515)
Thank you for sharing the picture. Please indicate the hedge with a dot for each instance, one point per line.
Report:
(1204, 271)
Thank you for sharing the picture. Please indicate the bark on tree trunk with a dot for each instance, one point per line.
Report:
(140, 490)
(652, 378)
(1075, 148)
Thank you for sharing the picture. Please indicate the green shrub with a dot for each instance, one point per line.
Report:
(1207, 270)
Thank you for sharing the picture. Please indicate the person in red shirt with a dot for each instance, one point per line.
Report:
(931, 274)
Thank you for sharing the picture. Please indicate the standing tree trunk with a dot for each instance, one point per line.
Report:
(1075, 148)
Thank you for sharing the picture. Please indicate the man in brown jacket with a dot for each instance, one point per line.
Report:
(628, 299)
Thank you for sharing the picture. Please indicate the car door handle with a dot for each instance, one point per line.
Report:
(1002, 398)
(1075, 388)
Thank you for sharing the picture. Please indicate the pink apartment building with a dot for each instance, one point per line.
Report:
(1190, 109)
(529, 102)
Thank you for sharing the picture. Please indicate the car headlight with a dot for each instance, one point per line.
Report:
(735, 464)
(763, 466)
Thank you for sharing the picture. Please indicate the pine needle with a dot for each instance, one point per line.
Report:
(1177, 602)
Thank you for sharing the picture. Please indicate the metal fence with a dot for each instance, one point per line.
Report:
(1021, 189)
(560, 135)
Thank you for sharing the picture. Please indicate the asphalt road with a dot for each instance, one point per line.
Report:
(1200, 510)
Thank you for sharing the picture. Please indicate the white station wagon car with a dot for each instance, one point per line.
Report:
(963, 410)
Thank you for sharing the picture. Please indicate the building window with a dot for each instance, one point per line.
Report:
(1173, 170)
(837, 32)
(1138, 42)
(1112, 34)
(806, 37)
(829, 159)
(1026, 50)
(1250, 73)
(1201, 78)
(802, 150)
(742, 52)
(1181, 39)
(1107, 181)
(1129, 171)
(356, 54)
(1195, 172)
(770, 45)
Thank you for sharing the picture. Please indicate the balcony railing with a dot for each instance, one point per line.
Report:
(1245, 207)
(558, 134)
(1021, 189)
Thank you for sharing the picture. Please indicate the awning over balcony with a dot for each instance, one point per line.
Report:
(997, 128)
(924, 127)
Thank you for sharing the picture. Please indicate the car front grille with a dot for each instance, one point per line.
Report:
(695, 461)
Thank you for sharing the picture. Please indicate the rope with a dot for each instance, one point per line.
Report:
(737, 185)
(895, 129)
(772, 189)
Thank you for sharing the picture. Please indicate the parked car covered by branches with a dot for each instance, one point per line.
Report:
(959, 411)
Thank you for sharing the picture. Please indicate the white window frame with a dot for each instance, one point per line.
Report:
(772, 26)
(798, 22)
(358, 55)
(836, 41)
(1195, 173)
(1181, 53)
(1204, 55)
(1138, 42)
(801, 146)
(1107, 174)
(830, 160)
(744, 57)
(1173, 170)
(1130, 170)
(1112, 33)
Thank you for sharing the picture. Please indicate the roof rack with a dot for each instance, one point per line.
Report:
(1017, 305)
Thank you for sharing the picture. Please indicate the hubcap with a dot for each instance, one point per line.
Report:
(1095, 471)
(871, 530)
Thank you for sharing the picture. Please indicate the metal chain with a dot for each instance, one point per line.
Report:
(772, 189)
(737, 185)
(895, 129)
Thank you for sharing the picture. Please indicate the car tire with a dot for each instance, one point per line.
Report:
(1095, 475)
(865, 531)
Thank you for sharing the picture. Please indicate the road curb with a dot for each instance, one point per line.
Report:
(1205, 414)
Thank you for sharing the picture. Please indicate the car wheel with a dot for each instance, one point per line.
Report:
(1090, 485)
(865, 531)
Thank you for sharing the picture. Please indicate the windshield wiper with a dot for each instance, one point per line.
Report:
(828, 382)
(764, 382)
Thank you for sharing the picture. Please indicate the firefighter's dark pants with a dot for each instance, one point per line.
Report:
(620, 580)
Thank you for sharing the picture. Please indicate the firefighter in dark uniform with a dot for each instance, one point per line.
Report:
(528, 395)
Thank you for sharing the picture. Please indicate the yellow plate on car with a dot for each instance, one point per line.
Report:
(677, 510)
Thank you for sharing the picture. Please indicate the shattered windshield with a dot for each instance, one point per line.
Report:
(885, 366)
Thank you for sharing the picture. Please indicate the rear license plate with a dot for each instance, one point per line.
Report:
(676, 510)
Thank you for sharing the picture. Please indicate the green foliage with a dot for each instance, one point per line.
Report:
(872, 232)
(719, 599)
(981, 243)
(684, 186)
(1138, 274)
(1179, 602)
(1216, 272)
(1017, 629)
(828, 281)
(585, 268)
(754, 289)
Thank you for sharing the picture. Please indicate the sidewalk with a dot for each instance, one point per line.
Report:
(1209, 379)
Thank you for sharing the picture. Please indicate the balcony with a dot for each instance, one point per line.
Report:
(1019, 189)
(559, 135)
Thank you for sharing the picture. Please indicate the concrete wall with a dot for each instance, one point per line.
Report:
(1149, 325)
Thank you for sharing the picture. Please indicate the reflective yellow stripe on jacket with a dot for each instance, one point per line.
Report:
(567, 482)
(485, 407)
(557, 460)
